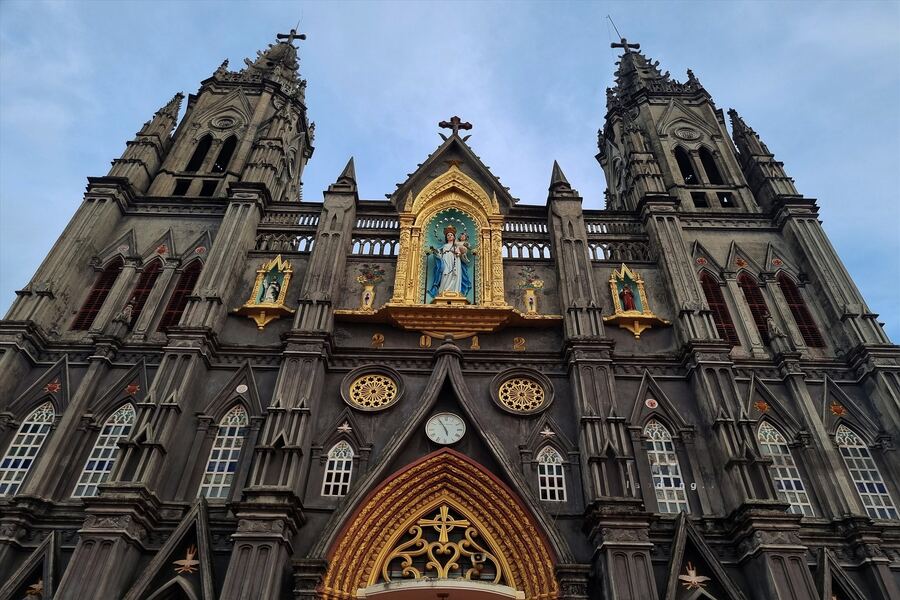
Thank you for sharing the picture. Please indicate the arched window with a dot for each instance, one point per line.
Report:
(199, 155)
(664, 467)
(709, 165)
(551, 475)
(784, 470)
(178, 302)
(224, 455)
(338, 470)
(225, 155)
(143, 288)
(24, 448)
(685, 166)
(802, 316)
(865, 474)
(721, 316)
(94, 302)
(104, 453)
(756, 302)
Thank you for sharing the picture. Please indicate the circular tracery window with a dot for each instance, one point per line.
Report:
(521, 394)
(373, 391)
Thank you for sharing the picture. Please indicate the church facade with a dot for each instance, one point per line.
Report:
(213, 388)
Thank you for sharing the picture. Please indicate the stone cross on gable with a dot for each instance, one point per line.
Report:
(455, 124)
(625, 46)
(290, 37)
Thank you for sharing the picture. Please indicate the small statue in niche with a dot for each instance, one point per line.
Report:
(369, 276)
(529, 283)
(630, 304)
(626, 295)
(272, 290)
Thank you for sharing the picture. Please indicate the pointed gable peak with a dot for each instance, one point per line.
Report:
(346, 181)
(453, 153)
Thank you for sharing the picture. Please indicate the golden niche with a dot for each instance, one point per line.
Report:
(521, 394)
(430, 299)
(373, 391)
(632, 309)
(267, 298)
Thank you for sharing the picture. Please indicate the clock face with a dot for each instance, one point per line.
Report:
(445, 428)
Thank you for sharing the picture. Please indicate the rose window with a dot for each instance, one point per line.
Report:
(373, 391)
(521, 394)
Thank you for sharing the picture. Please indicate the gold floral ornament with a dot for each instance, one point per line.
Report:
(632, 308)
(521, 394)
(373, 391)
(266, 302)
(369, 276)
(443, 547)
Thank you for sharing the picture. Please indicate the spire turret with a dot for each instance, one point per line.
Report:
(346, 181)
(765, 175)
(559, 185)
(143, 155)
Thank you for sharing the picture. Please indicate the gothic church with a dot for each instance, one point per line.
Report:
(215, 389)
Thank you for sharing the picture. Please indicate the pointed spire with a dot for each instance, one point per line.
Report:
(746, 140)
(346, 181)
(164, 119)
(559, 185)
(635, 73)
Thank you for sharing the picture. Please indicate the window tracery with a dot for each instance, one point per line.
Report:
(865, 474)
(785, 473)
(103, 455)
(225, 454)
(664, 468)
(25, 447)
(551, 475)
(338, 470)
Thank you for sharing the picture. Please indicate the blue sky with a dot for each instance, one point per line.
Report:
(820, 82)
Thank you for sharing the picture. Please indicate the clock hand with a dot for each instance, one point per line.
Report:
(444, 426)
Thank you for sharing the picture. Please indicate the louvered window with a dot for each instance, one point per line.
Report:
(667, 481)
(97, 296)
(784, 470)
(866, 476)
(802, 316)
(225, 454)
(551, 475)
(105, 451)
(338, 470)
(24, 448)
(178, 302)
(721, 316)
(143, 288)
(756, 302)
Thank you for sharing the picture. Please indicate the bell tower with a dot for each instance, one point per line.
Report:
(662, 136)
(248, 126)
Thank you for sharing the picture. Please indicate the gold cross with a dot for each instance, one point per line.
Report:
(443, 523)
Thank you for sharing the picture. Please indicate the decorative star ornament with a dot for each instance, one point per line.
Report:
(188, 564)
(761, 405)
(546, 432)
(345, 427)
(53, 387)
(838, 410)
(691, 580)
(132, 388)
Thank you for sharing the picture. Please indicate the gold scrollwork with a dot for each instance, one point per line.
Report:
(455, 552)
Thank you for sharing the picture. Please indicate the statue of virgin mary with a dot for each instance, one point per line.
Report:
(449, 274)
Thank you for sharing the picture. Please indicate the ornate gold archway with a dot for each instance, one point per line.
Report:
(505, 529)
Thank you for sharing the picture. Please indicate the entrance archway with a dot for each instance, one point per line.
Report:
(441, 527)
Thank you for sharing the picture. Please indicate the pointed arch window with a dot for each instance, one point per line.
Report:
(225, 453)
(105, 451)
(143, 288)
(709, 165)
(199, 155)
(802, 316)
(178, 302)
(865, 474)
(758, 308)
(684, 165)
(721, 316)
(667, 480)
(94, 302)
(338, 470)
(225, 154)
(25, 447)
(551, 475)
(784, 470)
